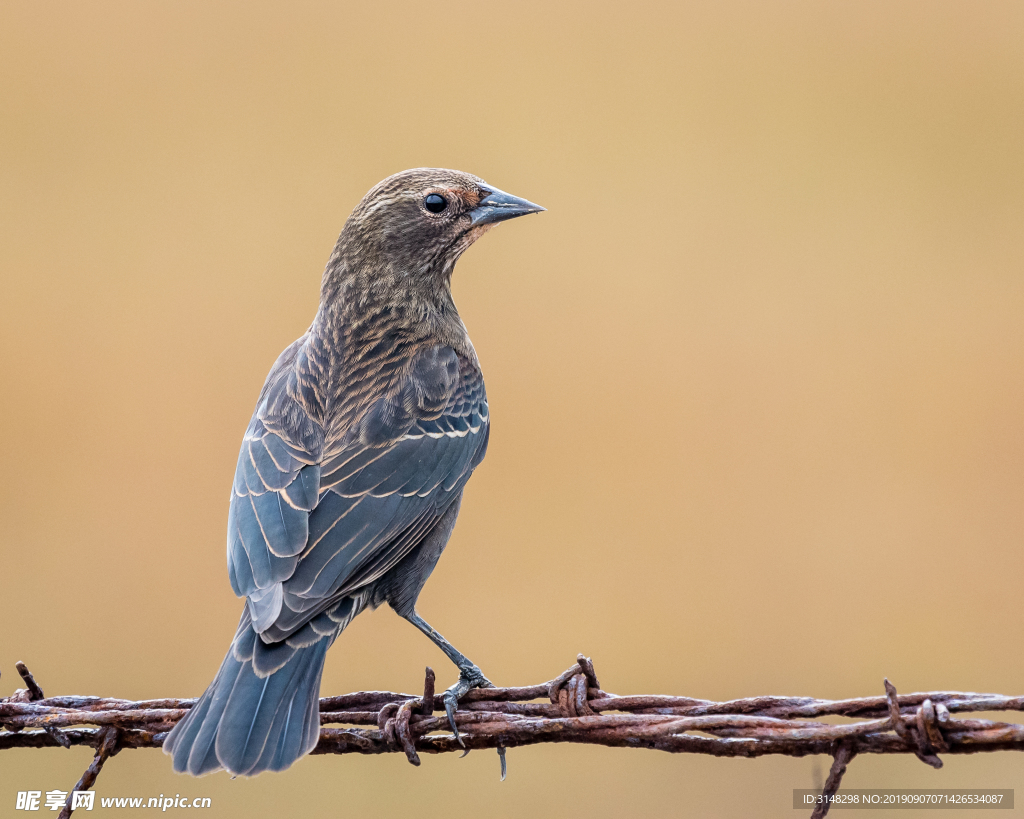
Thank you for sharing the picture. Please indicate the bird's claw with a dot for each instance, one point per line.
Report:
(469, 678)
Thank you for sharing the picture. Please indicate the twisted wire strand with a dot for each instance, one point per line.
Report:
(572, 707)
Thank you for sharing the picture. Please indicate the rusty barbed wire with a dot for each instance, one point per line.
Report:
(573, 708)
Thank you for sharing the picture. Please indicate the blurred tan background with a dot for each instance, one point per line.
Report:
(757, 377)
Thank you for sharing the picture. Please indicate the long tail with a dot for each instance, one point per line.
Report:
(261, 712)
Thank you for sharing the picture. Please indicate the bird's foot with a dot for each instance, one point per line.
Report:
(470, 677)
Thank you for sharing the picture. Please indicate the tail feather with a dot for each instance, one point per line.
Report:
(298, 725)
(181, 741)
(259, 711)
(248, 723)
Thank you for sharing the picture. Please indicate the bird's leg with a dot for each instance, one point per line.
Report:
(470, 676)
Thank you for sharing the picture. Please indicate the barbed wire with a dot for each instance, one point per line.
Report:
(570, 708)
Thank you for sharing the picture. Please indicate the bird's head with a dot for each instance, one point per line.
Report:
(409, 230)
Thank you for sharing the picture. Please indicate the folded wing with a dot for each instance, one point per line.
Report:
(308, 527)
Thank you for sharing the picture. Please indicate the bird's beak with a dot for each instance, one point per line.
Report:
(497, 206)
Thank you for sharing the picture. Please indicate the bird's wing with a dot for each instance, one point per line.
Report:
(307, 529)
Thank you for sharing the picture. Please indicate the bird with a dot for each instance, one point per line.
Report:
(351, 472)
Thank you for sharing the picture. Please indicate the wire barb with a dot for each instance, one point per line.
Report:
(840, 760)
(108, 747)
(925, 737)
(33, 693)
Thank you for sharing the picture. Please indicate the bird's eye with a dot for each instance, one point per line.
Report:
(435, 203)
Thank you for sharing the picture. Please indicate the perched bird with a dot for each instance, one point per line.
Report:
(352, 468)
